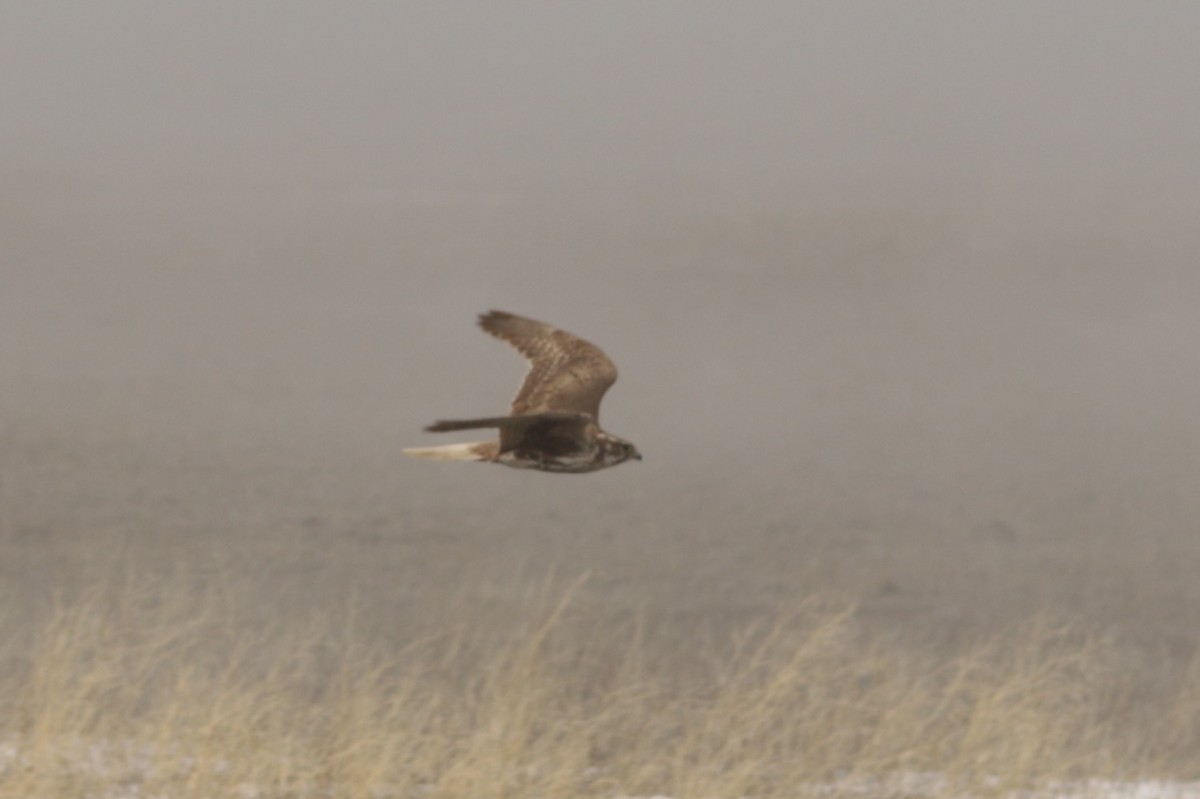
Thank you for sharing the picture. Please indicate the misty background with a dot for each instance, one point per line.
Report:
(904, 298)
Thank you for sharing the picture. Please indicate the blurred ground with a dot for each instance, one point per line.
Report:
(958, 412)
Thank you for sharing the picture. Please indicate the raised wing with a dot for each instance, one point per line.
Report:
(566, 373)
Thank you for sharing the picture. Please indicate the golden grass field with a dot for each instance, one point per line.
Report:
(144, 692)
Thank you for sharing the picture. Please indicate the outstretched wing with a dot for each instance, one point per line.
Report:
(545, 431)
(566, 420)
(566, 373)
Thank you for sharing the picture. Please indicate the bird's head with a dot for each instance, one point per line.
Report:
(625, 450)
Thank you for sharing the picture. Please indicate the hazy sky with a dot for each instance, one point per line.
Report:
(782, 95)
(902, 293)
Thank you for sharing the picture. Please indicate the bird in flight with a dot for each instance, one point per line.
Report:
(554, 423)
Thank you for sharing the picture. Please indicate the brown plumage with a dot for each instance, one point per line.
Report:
(553, 424)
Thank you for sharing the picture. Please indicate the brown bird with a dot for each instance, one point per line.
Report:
(554, 423)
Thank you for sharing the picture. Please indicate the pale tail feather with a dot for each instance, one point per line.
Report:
(474, 451)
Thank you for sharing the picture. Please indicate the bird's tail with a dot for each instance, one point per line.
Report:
(474, 451)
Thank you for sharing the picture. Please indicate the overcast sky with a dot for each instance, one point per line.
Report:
(780, 95)
(902, 294)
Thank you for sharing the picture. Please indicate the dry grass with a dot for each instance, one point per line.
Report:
(164, 693)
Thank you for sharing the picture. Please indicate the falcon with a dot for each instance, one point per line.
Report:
(554, 423)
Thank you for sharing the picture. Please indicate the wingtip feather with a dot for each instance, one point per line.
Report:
(493, 316)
